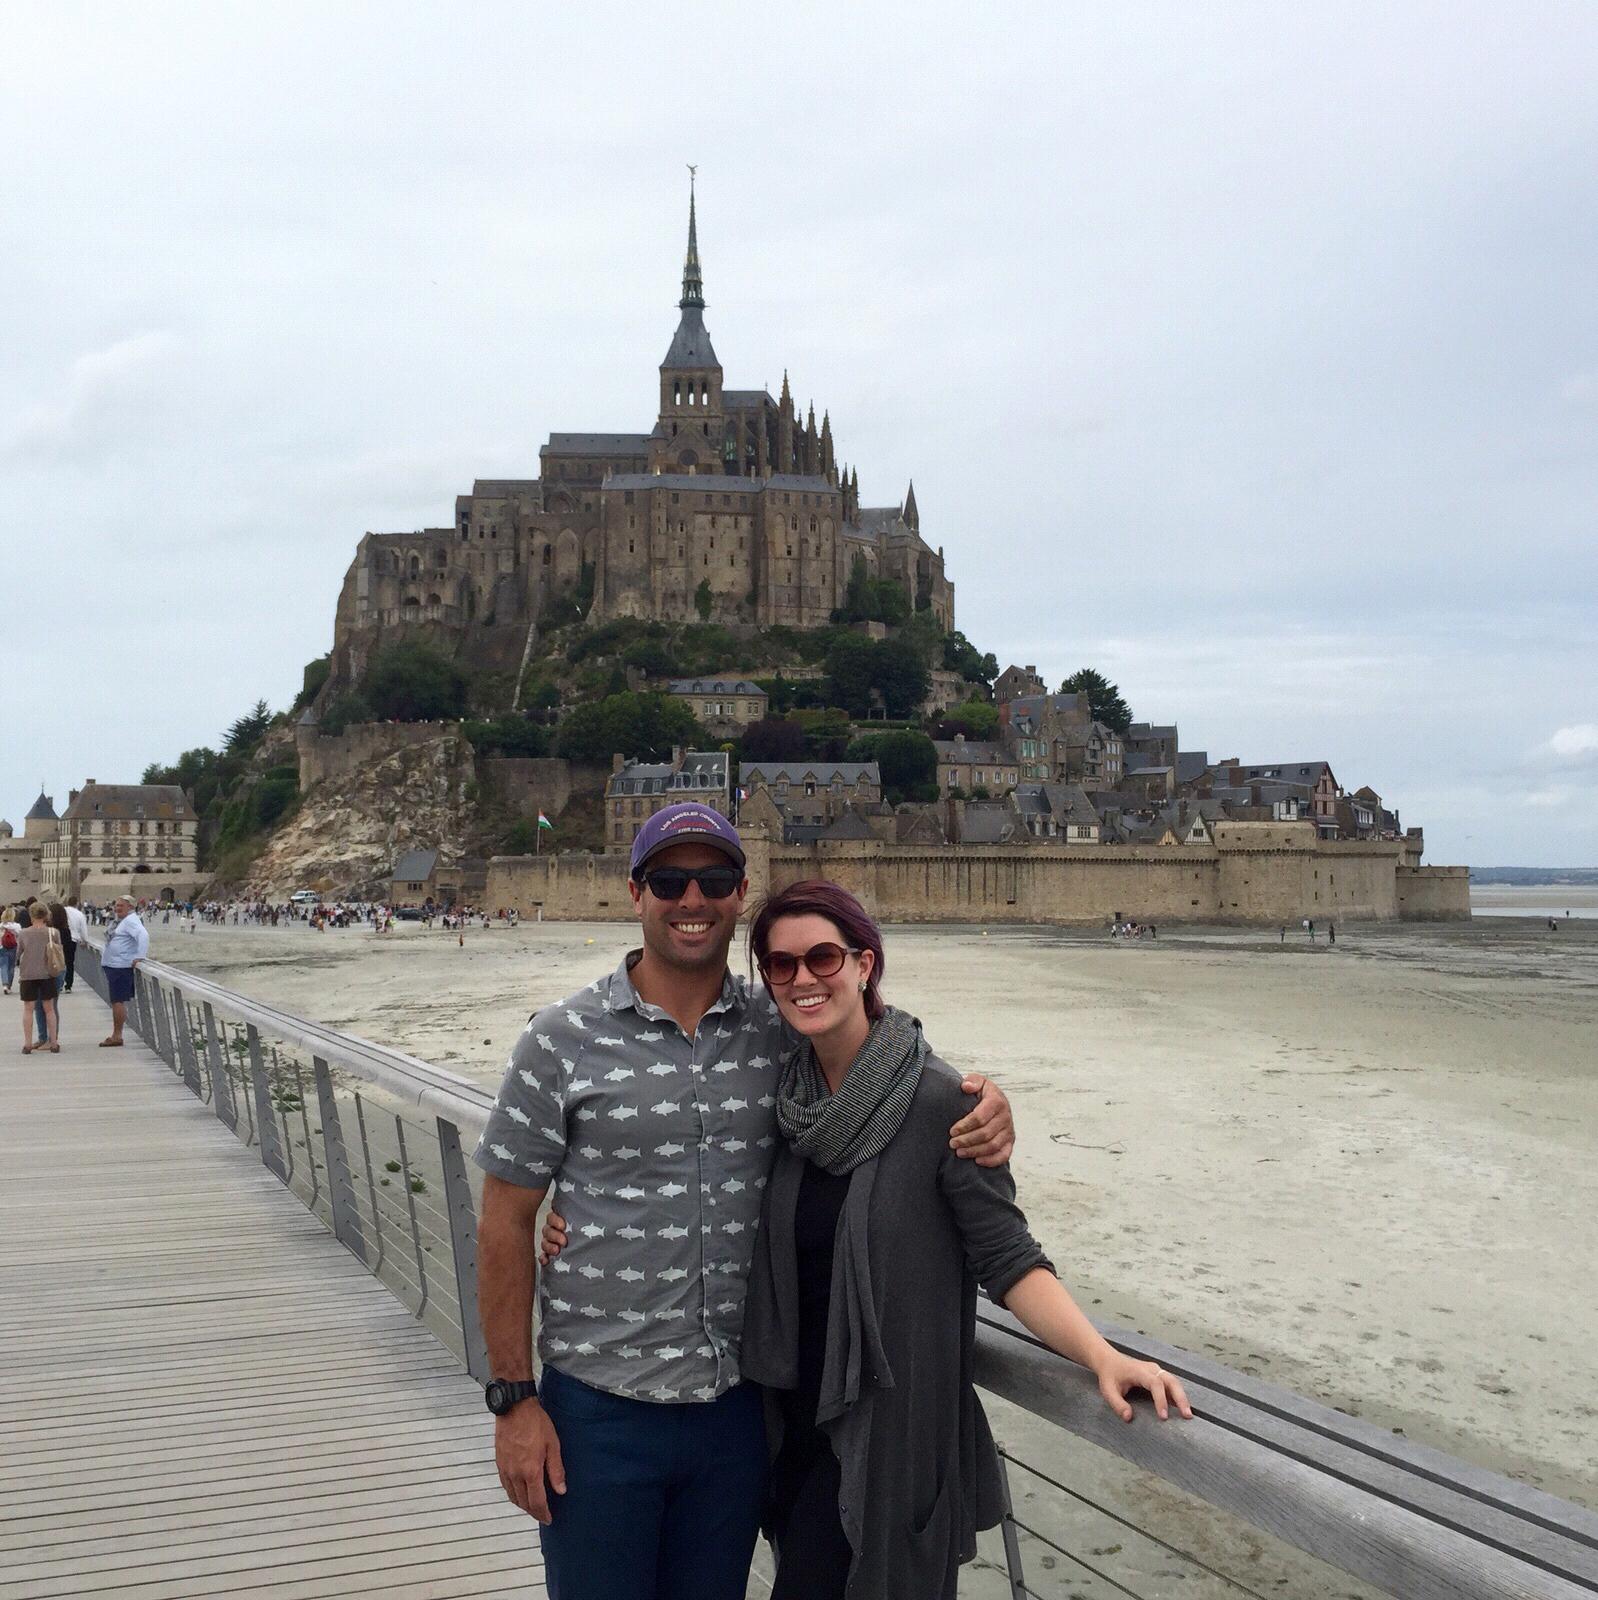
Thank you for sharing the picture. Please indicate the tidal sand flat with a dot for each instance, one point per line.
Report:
(1364, 1172)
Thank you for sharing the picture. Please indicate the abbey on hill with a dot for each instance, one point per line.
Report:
(728, 509)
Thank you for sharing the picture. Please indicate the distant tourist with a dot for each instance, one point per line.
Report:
(641, 1451)
(125, 947)
(1331, 933)
(39, 960)
(9, 929)
(78, 926)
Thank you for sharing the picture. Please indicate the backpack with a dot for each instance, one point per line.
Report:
(8, 940)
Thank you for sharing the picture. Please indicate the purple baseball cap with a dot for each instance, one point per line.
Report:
(688, 823)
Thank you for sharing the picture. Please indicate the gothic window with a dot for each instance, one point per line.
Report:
(676, 393)
(433, 600)
(548, 550)
(691, 396)
(629, 547)
(416, 566)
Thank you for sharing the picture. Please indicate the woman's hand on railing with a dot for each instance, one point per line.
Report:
(554, 1237)
(1118, 1374)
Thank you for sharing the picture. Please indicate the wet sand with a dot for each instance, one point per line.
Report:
(1365, 1172)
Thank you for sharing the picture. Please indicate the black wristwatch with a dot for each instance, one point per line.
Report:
(500, 1394)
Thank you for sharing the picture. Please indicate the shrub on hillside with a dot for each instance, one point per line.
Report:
(414, 683)
(640, 726)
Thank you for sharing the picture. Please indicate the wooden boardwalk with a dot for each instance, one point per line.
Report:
(201, 1392)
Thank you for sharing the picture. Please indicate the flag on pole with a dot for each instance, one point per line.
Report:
(544, 822)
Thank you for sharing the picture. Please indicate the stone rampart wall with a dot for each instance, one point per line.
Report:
(1286, 881)
(1434, 894)
(543, 783)
(336, 755)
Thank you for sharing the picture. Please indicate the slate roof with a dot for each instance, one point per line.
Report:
(704, 483)
(772, 772)
(1151, 730)
(1288, 771)
(745, 399)
(1191, 764)
(701, 770)
(713, 686)
(690, 345)
(164, 802)
(498, 488)
(1032, 708)
(974, 751)
(415, 866)
(988, 822)
(597, 444)
(42, 809)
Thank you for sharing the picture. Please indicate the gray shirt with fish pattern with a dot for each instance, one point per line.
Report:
(659, 1146)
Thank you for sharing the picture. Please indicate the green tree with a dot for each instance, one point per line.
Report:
(271, 799)
(642, 726)
(704, 601)
(960, 655)
(774, 739)
(901, 675)
(908, 761)
(976, 719)
(850, 665)
(316, 674)
(509, 735)
(344, 709)
(826, 732)
(413, 683)
(1104, 698)
(246, 731)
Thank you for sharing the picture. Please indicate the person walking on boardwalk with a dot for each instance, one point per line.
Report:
(10, 928)
(861, 1320)
(38, 952)
(126, 946)
(650, 1098)
(78, 927)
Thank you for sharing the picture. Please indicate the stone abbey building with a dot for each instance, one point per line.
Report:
(730, 505)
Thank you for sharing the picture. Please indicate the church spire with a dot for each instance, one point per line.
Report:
(912, 517)
(693, 283)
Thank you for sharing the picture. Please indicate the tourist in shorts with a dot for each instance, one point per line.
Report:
(125, 947)
(10, 928)
(649, 1098)
(38, 983)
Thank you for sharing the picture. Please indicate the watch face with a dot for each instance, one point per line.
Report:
(496, 1397)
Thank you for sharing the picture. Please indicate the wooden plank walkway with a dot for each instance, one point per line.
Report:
(201, 1392)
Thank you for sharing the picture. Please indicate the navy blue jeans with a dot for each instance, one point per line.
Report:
(662, 1502)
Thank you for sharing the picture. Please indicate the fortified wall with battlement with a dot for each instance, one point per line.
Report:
(1254, 873)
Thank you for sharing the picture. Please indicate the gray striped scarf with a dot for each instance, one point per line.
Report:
(839, 1131)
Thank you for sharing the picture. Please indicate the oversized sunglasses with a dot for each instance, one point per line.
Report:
(821, 961)
(671, 883)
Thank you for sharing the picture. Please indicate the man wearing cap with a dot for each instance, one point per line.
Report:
(650, 1095)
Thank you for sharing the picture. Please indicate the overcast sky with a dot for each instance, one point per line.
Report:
(1246, 352)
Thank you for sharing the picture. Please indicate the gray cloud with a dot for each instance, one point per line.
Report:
(1246, 352)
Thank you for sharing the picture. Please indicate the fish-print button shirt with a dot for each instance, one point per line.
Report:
(659, 1145)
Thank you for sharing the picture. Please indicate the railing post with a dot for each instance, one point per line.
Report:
(161, 1018)
(221, 1084)
(265, 1117)
(346, 1214)
(463, 1246)
(188, 1057)
(144, 1025)
(1012, 1544)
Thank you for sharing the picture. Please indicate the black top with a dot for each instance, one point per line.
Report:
(815, 1228)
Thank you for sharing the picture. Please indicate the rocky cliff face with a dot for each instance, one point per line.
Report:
(348, 830)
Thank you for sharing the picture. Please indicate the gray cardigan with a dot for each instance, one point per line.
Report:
(919, 1228)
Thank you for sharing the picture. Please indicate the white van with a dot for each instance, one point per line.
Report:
(305, 897)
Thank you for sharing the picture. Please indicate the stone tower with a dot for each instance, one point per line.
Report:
(692, 427)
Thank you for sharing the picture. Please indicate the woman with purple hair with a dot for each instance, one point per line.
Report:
(861, 1315)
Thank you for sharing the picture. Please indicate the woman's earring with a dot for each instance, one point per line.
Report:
(862, 986)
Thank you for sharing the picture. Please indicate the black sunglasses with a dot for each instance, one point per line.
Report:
(821, 961)
(671, 883)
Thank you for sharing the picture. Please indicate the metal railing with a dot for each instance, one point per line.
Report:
(373, 1141)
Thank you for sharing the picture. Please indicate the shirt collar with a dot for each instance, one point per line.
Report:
(620, 995)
